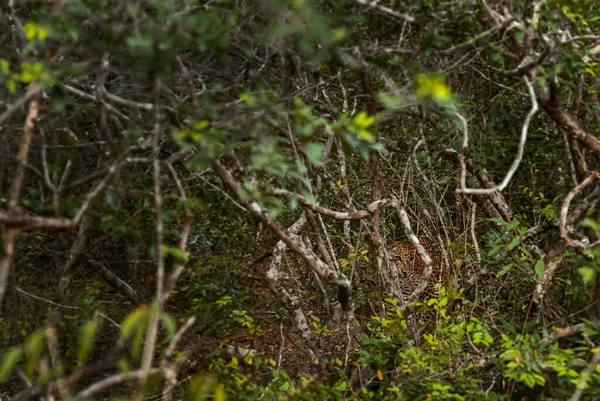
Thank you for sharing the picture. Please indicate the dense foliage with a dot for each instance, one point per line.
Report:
(308, 199)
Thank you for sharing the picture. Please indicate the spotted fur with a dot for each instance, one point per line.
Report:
(410, 266)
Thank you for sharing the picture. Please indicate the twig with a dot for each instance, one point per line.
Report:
(112, 170)
(26, 222)
(482, 35)
(152, 331)
(62, 387)
(87, 96)
(169, 367)
(225, 194)
(126, 102)
(281, 347)
(189, 83)
(62, 305)
(185, 232)
(473, 236)
(386, 10)
(177, 337)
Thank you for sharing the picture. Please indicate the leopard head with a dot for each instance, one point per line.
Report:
(410, 265)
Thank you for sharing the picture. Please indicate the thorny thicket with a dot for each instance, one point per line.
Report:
(133, 133)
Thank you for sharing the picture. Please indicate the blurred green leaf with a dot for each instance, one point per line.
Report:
(314, 152)
(87, 334)
(8, 363)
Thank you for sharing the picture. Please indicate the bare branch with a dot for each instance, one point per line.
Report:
(290, 239)
(185, 232)
(518, 157)
(26, 222)
(386, 10)
(176, 338)
(104, 365)
(14, 193)
(126, 102)
(423, 254)
(33, 91)
(551, 103)
(482, 35)
(585, 376)
(152, 331)
(525, 67)
(353, 215)
(87, 96)
(563, 333)
(564, 210)
(114, 281)
(113, 381)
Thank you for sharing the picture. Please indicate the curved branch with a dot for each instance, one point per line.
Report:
(423, 254)
(518, 157)
(564, 210)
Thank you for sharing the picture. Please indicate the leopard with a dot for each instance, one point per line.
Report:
(411, 267)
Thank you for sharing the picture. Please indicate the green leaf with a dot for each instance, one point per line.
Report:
(134, 321)
(510, 354)
(33, 350)
(513, 225)
(498, 220)
(220, 393)
(362, 120)
(168, 323)
(175, 252)
(314, 152)
(338, 35)
(513, 243)
(34, 31)
(9, 361)
(539, 268)
(528, 379)
(4, 67)
(508, 326)
(587, 274)
(341, 386)
(200, 387)
(434, 86)
(143, 44)
(589, 223)
(494, 250)
(504, 270)
(86, 339)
